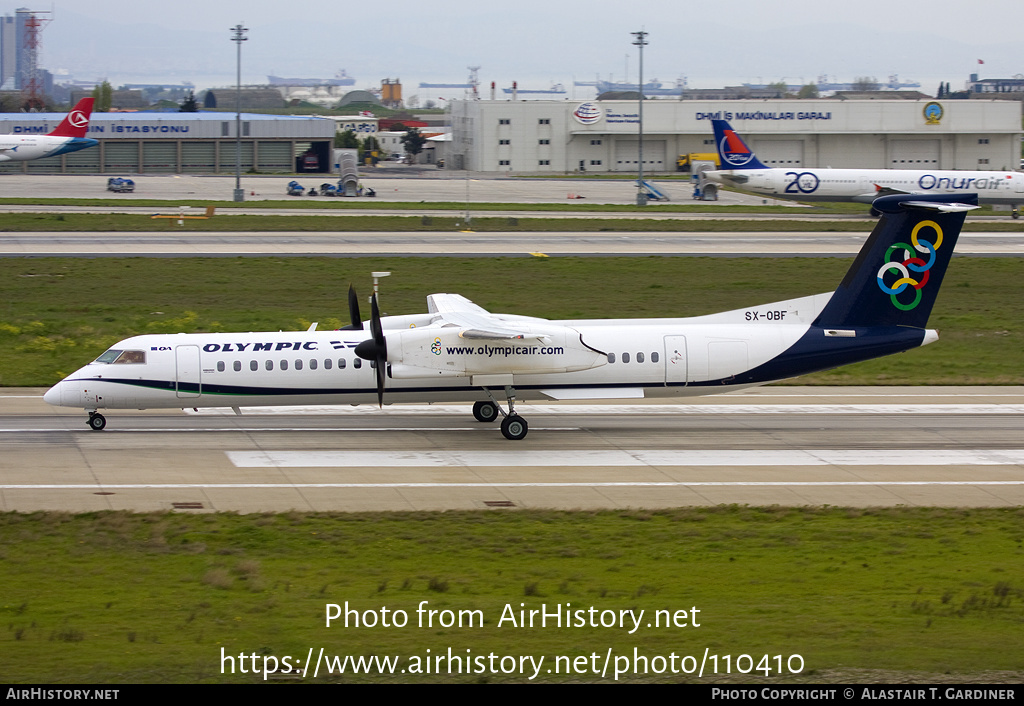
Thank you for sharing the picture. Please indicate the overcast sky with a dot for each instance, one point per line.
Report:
(535, 42)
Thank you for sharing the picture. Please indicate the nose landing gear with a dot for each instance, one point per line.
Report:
(96, 421)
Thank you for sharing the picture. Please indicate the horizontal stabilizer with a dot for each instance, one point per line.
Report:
(941, 207)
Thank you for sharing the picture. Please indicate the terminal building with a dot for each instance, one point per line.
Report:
(181, 143)
(559, 137)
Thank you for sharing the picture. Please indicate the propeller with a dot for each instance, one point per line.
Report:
(353, 312)
(375, 349)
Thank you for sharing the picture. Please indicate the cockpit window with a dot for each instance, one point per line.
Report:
(123, 357)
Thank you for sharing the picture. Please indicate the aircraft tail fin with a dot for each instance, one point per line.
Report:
(897, 274)
(76, 122)
(733, 152)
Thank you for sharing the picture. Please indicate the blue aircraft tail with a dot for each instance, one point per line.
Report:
(882, 305)
(897, 274)
(733, 152)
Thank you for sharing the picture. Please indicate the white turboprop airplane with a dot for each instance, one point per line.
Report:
(458, 352)
(741, 168)
(68, 137)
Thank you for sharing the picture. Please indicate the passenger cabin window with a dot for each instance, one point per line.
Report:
(625, 357)
(237, 365)
(611, 357)
(298, 364)
(640, 357)
(284, 365)
(341, 363)
(654, 357)
(254, 365)
(220, 366)
(312, 364)
(269, 365)
(357, 363)
(327, 363)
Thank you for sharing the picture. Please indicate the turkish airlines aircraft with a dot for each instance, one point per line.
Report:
(459, 352)
(741, 168)
(68, 137)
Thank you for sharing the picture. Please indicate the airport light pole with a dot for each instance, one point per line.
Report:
(641, 195)
(238, 37)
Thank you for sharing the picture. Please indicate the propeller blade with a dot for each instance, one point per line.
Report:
(375, 349)
(380, 346)
(353, 312)
(353, 309)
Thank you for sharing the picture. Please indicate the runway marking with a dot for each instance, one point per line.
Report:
(582, 458)
(596, 484)
(347, 430)
(681, 409)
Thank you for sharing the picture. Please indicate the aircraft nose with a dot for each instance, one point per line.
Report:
(52, 396)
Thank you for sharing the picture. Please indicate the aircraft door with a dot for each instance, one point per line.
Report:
(675, 360)
(188, 382)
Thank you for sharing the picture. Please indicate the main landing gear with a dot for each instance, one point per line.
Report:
(513, 427)
(96, 421)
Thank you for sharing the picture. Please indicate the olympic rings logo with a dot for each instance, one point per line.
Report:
(910, 263)
(435, 347)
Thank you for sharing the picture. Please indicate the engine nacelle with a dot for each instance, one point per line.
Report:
(444, 352)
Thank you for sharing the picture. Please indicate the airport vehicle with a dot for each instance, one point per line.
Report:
(69, 136)
(459, 352)
(741, 168)
(294, 188)
(120, 185)
(684, 162)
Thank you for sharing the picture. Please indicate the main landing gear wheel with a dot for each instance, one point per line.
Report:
(97, 421)
(514, 427)
(485, 411)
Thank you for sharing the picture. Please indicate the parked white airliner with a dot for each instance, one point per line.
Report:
(69, 136)
(458, 351)
(741, 168)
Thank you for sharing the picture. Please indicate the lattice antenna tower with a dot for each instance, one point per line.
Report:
(32, 97)
(474, 82)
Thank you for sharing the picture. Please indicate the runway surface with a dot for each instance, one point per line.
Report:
(777, 445)
(468, 244)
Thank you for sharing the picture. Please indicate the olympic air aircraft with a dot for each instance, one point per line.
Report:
(68, 137)
(741, 168)
(459, 352)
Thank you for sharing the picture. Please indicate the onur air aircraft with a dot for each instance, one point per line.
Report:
(741, 168)
(68, 137)
(459, 352)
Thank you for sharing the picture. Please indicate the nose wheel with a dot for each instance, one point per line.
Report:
(96, 421)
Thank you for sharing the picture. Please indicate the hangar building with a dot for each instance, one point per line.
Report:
(558, 137)
(179, 143)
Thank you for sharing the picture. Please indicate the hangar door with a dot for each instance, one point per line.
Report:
(914, 154)
(780, 153)
(654, 155)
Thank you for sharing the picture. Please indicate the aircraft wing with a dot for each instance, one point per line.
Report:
(887, 191)
(474, 320)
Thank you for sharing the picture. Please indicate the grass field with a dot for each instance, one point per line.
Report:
(154, 597)
(343, 222)
(56, 314)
